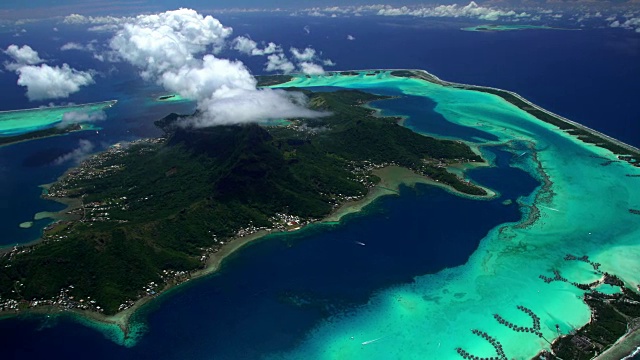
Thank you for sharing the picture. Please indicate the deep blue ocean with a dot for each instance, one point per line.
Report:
(271, 293)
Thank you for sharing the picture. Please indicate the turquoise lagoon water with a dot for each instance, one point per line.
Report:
(585, 212)
(317, 296)
(24, 121)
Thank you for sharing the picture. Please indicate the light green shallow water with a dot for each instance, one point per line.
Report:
(24, 121)
(586, 213)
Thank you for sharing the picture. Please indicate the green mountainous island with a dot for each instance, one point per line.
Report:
(151, 214)
(154, 213)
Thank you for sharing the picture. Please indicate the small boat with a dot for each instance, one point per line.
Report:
(360, 243)
(371, 341)
(550, 208)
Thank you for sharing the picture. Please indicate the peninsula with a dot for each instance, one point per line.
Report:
(154, 213)
(38, 134)
(624, 151)
(24, 125)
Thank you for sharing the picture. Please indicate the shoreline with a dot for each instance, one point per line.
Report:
(391, 178)
(624, 347)
(385, 187)
(628, 343)
(436, 80)
(108, 103)
(536, 107)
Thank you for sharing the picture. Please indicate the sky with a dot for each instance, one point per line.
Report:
(17, 9)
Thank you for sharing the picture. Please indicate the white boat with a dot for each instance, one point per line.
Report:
(371, 341)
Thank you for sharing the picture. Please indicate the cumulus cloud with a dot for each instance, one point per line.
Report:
(279, 62)
(46, 82)
(305, 59)
(77, 19)
(350, 37)
(328, 62)
(72, 46)
(311, 68)
(24, 55)
(168, 48)
(82, 152)
(631, 23)
(243, 106)
(169, 40)
(92, 46)
(250, 47)
(304, 55)
(472, 10)
(79, 116)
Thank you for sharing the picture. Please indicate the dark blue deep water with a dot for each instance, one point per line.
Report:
(276, 289)
(269, 294)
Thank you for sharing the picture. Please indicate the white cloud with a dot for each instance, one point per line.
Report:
(168, 48)
(24, 55)
(328, 62)
(316, 13)
(105, 28)
(250, 47)
(77, 19)
(243, 106)
(169, 40)
(279, 62)
(472, 10)
(72, 46)
(631, 23)
(305, 59)
(350, 37)
(46, 82)
(79, 116)
(305, 55)
(307, 29)
(84, 149)
(91, 46)
(311, 68)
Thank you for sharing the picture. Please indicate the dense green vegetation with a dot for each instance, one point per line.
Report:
(273, 80)
(167, 202)
(612, 316)
(6, 140)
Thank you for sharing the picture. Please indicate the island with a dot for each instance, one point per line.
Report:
(154, 213)
(509, 27)
(148, 215)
